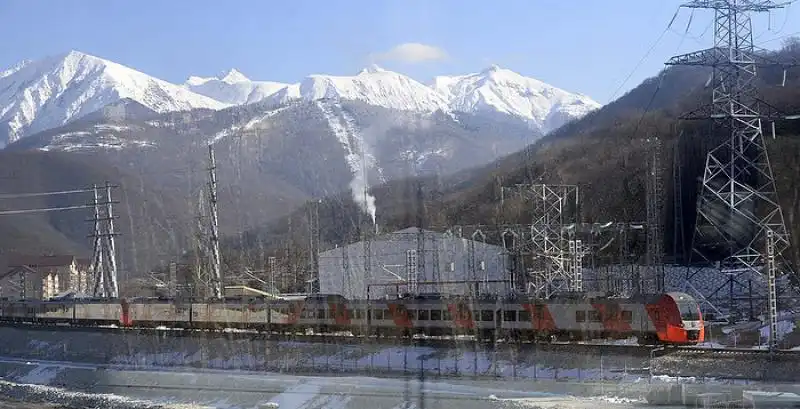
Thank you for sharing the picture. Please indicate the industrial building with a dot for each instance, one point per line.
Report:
(44, 277)
(413, 261)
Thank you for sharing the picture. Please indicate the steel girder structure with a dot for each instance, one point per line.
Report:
(216, 269)
(555, 260)
(103, 266)
(738, 203)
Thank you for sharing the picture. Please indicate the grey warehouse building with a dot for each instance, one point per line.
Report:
(410, 261)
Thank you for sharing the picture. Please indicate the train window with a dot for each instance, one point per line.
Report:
(358, 314)
(436, 315)
(689, 311)
(387, 315)
(487, 315)
(594, 316)
(627, 316)
(580, 316)
(446, 315)
(412, 314)
(656, 316)
(285, 311)
(423, 315)
(378, 314)
(321, 314)
(510, 315)
(524, 316)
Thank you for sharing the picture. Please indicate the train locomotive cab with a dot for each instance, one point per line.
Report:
(691, 319)
(677, 319)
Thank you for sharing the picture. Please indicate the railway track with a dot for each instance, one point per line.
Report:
(465, 342)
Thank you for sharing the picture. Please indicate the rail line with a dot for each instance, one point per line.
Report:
(464, 342)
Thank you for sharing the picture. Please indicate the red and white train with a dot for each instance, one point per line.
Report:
(671, 318)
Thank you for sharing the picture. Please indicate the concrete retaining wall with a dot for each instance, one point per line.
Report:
(216, 352)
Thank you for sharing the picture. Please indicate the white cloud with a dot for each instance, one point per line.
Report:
(412, 53)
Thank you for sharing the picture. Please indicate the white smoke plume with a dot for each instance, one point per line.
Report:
(366, 201)
(357, 155)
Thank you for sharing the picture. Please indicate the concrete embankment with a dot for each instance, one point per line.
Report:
(113, 361)
(217, 351)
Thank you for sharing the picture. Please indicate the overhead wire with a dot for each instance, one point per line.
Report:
(646, 55)
(41, 194)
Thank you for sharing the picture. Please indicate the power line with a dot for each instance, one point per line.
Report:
(25, 195)
(647, 54)
(43, 210)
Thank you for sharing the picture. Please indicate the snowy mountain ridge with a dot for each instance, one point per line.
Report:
(44, 94)
(501, 90)
(233, 88)
(50, 92)
(373, 85)
(494, 90)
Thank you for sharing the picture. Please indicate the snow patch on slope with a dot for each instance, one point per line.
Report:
(233, 88)
(343, 126)
(252, 125)
(501, 90)
(35, 96)
(98, 137)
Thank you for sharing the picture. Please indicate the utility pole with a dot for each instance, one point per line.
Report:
(655, 281)
(112, 249)
(104, 263)
(216, 276)
(772, 293)
(97, 251)
(738, 203)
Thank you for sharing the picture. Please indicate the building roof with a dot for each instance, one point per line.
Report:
(42, 261)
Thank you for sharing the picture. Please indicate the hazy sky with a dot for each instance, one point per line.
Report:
(588, 46)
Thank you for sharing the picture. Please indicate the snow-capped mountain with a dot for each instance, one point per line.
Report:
(373, 85)
(39, 95)
(499, 90)
(233, 88)
(43, 94)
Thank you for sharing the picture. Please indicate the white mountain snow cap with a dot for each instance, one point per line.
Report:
(497, 89)
(372, 69)
(372, 85)
(52, 91)
(233, 76)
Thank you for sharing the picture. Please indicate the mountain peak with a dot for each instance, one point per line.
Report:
(372, 69)
(233, 76)
(35, 94)
(490, 69)
(501, 90)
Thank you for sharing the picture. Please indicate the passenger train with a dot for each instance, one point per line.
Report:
(672, 318)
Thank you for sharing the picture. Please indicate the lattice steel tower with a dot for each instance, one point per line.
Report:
(556, 260)
(216, 270)
(104, 255)
(738, 203)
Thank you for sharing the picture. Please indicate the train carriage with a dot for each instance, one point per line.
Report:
(671, 318)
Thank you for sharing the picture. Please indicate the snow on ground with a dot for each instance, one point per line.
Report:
(240, 389)
(784, 328)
